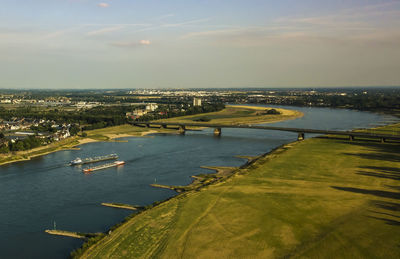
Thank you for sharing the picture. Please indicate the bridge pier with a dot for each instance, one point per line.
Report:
(217, 132)
(182, 130)
(300, 131)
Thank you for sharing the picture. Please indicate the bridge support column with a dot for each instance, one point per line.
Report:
(300, 136)
(383, 140)
(182, 130)
(351, 137)
(217, 132)
(147, 125)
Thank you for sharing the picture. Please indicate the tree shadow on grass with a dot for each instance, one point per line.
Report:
(384, 156)
(381, 148)
(374, 144)
(385, 214)
(378, 151)
(381, 175)
(378, 193)
(331, 137)
(358, 140)
(386, 205)
(397, 188)
(388, 221)
(385, 209)
(386, 169)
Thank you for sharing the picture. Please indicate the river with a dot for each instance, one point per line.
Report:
(36, 194)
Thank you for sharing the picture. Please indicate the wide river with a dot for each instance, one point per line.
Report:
(36, 194)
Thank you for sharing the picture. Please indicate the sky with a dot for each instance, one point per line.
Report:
(198, 43)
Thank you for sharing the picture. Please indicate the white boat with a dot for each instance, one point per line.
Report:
(100, 167)
(76, 161)
(79, 161)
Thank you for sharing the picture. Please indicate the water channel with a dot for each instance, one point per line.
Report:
(38, 193)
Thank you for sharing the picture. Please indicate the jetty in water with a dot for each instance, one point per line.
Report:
(65, 233)
(121, 206)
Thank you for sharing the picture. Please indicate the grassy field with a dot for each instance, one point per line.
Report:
(238, 115)
(125, 130)
(108, 133)
(317, 198)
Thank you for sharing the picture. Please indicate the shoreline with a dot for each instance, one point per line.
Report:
(285, 115)
(26, 155)
(195, 186)
(274, 159)
(186, 189)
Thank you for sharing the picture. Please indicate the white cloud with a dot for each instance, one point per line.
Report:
(145, 42)
(103, 5)
(105, 30)
(185, 23)
(131, 44)
(370, 24)
(164, 16)
(211, 33)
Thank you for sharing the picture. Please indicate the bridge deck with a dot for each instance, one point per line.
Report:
(296, 130)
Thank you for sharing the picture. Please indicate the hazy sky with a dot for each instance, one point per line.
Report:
(198, 43)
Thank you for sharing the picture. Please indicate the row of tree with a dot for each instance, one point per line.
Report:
(113, 115)
(95, 118)
(21, 144)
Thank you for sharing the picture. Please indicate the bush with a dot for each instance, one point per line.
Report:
(4, 149)
(273, 112)
(74, 130)
(202, 119)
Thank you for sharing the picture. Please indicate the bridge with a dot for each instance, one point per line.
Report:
(182, 127)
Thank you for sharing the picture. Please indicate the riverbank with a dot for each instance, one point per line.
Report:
(202, 180)
(312, 198)
(69, 143)
(239, 114)
(105, 134)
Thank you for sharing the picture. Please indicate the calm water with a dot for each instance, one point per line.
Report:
(37, 193)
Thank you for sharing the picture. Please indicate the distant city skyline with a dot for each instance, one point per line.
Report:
(77, 44)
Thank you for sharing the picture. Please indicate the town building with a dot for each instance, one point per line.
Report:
(196, 101)
(151, 107)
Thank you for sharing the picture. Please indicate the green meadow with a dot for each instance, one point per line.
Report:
(318, 198)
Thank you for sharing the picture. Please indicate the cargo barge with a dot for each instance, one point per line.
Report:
(95, 159)
(100, 167)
